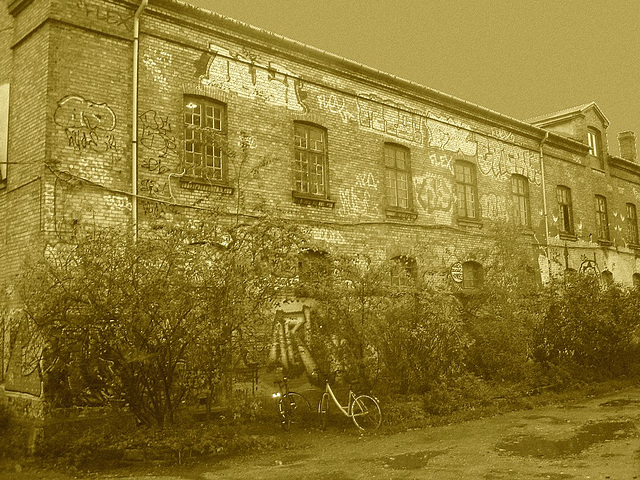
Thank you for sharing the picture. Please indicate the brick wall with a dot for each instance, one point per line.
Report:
(70, 142)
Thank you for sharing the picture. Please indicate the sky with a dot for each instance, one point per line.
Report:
(522, 58)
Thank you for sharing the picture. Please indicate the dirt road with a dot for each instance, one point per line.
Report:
(593, 439)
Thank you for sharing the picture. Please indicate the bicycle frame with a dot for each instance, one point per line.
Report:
(345, 409)
(364, 410)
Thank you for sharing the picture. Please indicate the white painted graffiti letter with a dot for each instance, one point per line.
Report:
(249, 78)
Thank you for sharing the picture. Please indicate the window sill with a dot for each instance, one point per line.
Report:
(605, 243)
(312, 200)
(400, 214)
(203, 184)
(568, 236)
(469, 222)
(633, 246)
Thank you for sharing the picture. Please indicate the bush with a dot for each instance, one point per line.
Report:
(589, 329)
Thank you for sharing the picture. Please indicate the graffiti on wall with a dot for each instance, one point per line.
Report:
(502, 160)
(244, 74)
(493, 206)
(440, 158)
(104, 13)
(389, 118)
(335, 104)
(290, 337)
(158, 209)
(451, 135)
(87, 125)
(503, 135)
(434, 193)
(358, 199)
(157, 136)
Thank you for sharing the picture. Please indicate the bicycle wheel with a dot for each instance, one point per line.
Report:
(366, 413)
(292, 407)
(323, 410)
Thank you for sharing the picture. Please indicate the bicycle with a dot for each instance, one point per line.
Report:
(291, 405)
(364, 410)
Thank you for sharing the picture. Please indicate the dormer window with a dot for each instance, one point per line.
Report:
(594, 139)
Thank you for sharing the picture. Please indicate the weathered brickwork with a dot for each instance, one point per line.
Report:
(70, 67)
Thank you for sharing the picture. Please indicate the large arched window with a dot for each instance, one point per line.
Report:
(310, 171)
(397, 176)
(205, 133)
(520, 192)
(565, 210)
(602, 218)
(632, 224)
(466, 190)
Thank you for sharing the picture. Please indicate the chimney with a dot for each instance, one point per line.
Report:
(627, 142)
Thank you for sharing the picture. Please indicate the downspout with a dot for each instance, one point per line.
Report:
(134, 120)
(545, 211)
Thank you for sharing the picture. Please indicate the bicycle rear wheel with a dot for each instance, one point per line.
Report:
(323, 410)
(366, 413)
(293, 407)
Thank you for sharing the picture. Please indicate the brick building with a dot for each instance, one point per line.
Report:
(116, 112)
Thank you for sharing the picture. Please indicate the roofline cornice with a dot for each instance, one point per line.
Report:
(297, 51)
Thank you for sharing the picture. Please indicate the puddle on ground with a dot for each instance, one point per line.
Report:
(506, 474)
(552, 420)
(587, 436)
(285, 460)
(619, 402)
(412, 461)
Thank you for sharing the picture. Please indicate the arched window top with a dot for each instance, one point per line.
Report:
(472, 274)
(607, 278)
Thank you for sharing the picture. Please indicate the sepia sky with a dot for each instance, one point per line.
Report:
(522, 58)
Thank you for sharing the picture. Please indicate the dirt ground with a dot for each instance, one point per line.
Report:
(597, 438)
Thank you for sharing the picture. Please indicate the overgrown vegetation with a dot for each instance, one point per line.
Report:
(149, 325)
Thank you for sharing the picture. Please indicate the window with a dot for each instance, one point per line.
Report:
(403, 271)
(565, 213)
(595, 146)
(520, 191)
(205, 136)
(606, 278)
(398, 178)
(635, 278)
(471, 275)
(313, 265)
(602, 220)
(310, 165)
(632, 224)
(466, 190)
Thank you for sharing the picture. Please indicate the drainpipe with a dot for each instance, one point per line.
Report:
(545, 211)
(134, 120)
